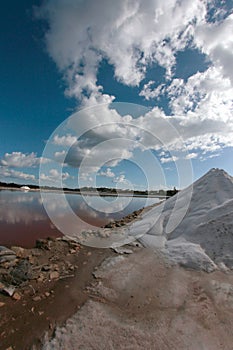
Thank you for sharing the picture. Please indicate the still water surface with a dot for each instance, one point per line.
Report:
(23, 218)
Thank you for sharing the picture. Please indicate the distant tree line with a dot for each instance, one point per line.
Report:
(101, 190)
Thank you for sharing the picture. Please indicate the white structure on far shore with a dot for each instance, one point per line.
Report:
(25, 188)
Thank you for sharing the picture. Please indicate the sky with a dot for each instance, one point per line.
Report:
(129, 94)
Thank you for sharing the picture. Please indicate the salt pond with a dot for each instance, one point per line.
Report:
(23, 218)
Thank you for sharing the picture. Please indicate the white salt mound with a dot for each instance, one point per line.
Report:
(203, 237)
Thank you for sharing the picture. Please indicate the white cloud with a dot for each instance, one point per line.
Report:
(107, 173)
(120, 179)
(168, 159)
(14, 174)
(54, 176)
(191, 156)
(21, 160)
(216, 40)
(151, 93)
(67, 140)
(130, 35)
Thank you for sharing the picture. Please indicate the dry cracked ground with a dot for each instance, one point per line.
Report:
(138, 301)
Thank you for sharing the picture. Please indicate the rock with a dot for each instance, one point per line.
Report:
(54, 275)
(8, 264)
(2, 304)
(72, 251)
(56, 267)
(46, 268)
(37, 298)
(6, 251)
(7, 258)
(20, 252)
(16, 296)
(40, 278)
(31, 259)
(9, 290)
(108, 226)
(47, 294)
(21, 272)
(2, 286)
(121, 250)
(36, 252)
(43, 244)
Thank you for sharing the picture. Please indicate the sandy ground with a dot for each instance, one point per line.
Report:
(138, 301)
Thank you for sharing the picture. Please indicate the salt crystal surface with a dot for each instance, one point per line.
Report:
(203, 237)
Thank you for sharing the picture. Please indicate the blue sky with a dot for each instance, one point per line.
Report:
(59, 58)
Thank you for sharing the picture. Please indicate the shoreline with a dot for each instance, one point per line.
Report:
(86, 193)
(31, 305)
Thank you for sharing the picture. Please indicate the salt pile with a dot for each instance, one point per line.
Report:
(204, 237)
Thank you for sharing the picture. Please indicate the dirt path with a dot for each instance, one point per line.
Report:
(42, 303)
(79, 297)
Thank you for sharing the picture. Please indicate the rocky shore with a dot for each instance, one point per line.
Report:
(43, 286)
(125, 220)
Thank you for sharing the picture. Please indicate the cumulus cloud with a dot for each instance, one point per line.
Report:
(120, 179)
(66, 140)
(129, 34)
(168, 159)
(107, 173)
(21, 160)
(132, 36)
(191, 155)
(216, 40)
(54, 176)
(14, 174)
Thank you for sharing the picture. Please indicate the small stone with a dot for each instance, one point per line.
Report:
(2, 286)
(6, 251)
(121, 250)
(41, 313)
(55, 267)
(72, 251)
(36, 252)
(10, 348)
(47, 294)
(43, 244)
(7, 258)
(20, 252)
(46, 268)
(89, 254)
(37, 298)
(31, 259)
(16, 296)
(8, 264)
(9, 290)
(1, 304)
(54, 275)
(40, 278)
